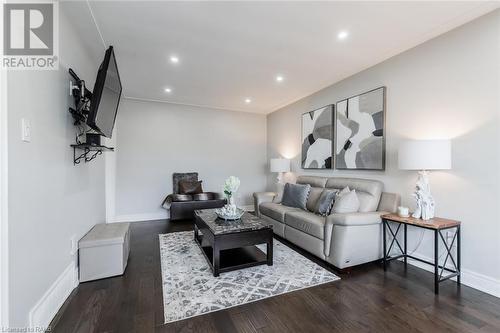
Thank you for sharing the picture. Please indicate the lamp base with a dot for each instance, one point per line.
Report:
(425, 202)
(279, 178)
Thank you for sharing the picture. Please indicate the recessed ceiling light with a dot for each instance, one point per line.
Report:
(342, 35)
(279, 78)
(174, 59)
(168, 90)
(248, 100)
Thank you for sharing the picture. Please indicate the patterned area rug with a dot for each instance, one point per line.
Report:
(190, 289)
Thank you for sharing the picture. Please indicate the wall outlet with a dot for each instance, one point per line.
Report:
(26, 130)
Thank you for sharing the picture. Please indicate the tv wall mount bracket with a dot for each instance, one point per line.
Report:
(82, 151)
(87, 152)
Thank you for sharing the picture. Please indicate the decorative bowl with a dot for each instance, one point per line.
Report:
(226, 214)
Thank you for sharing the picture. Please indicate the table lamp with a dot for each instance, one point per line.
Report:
(424, 155)
(280, 165)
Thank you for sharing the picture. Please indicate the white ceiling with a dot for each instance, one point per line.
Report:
(230, 51)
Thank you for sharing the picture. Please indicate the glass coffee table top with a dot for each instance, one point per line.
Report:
(219, 226)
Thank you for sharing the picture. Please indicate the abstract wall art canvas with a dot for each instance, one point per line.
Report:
(317, 138)
(360, 131)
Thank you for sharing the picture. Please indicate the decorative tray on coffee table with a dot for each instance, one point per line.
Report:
(225, 214)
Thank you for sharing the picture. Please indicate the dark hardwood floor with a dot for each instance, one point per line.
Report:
(365, 300)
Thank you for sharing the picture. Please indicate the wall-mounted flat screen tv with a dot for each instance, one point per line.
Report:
(106, 96)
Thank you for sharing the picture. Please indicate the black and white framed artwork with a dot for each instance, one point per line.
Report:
(360, 126)
(317, 138)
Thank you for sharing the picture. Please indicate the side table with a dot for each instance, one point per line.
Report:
(437, 225)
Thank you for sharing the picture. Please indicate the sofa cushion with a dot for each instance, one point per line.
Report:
(204, 196)
(190, 187)
(312, 200)
(314, 181)
(177, 177)
(367, 190)
(355, 219)
(306, 222)
(181, 197)
(275, 211)
(295, 195)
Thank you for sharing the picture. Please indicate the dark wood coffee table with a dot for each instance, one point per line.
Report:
(230, 245)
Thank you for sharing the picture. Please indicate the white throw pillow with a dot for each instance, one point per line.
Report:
(345, 190)
(346, 202)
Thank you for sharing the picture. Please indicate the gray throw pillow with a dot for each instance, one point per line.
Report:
(325, 202)
(295, 195)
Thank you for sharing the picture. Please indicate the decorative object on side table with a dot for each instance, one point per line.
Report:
(437, 225)
(424, 155)
(359, 130)
(317, 138)
(403, 211)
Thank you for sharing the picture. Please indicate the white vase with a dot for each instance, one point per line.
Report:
(231, 205)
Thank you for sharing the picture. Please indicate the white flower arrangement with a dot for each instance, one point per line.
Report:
(231, 185)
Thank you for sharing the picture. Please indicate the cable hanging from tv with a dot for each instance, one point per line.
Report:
(92, 118)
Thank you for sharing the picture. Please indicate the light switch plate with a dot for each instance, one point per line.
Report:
(25, 130)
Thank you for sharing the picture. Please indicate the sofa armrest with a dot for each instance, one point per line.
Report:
(355, 219)
(167, 201)
(261, 197)
(389, 202)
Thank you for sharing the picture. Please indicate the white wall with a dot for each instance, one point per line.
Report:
(157, 139)
(445, 88)
(50, 199)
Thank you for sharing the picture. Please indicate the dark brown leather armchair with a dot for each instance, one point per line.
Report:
(182, 206)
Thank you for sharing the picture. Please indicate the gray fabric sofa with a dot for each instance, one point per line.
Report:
(344, 240)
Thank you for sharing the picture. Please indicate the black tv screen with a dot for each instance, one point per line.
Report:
(106, 96)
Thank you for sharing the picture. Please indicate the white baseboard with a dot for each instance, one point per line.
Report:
(46, 308)
(472, 279)
(139, 217)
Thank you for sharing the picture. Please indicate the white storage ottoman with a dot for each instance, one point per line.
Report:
(103, 251)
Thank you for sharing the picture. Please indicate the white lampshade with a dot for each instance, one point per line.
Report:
(424, 155)
(280, 165)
